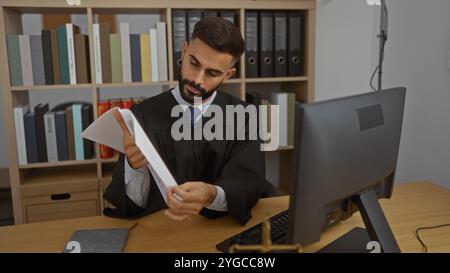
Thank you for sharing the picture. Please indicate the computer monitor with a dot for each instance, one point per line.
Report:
(345, 158)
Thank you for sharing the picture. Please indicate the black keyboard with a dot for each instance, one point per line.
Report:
(253, 235)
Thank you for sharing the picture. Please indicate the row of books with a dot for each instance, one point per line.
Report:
(61, 56)
(104, 106)
(286, 116)
(57, 56)
(127, 57)
(273, 44)
(50, 136)
(183, 22)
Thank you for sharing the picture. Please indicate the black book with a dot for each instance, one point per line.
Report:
(48, 59)
(86, 120)
(39, 111)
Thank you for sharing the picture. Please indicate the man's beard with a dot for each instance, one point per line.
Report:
(204, 94)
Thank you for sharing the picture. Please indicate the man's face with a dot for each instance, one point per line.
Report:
(203, 70)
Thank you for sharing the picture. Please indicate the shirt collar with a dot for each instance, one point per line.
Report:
(184, 104)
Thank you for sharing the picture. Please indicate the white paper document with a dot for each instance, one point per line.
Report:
(107, 131)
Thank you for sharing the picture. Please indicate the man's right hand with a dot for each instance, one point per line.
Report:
(133, 155)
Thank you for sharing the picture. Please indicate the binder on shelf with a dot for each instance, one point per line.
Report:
(40, 110)
(280, 44)
(15, 66)
(193, 17)
(266, 44)
(228, 15)
(294, 44)
(251, 44)
(135, 44)
(48, 56)
(179, 37)
(125, 52)
(209, 13)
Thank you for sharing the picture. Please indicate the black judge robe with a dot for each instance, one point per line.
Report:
(237, 166)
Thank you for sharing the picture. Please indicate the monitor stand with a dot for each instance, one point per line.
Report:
(377, 229)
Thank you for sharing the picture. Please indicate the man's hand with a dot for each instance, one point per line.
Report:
(134, 156)
(195, 196)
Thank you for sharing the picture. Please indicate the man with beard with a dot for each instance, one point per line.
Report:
(214, 178)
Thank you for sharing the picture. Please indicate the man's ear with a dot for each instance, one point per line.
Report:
(230, 73)
(184, 49)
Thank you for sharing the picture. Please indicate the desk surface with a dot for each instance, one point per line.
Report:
(412, 205)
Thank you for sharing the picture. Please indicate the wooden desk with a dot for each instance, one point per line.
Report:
(412, 205)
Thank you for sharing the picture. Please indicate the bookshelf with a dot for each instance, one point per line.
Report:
(55, 190)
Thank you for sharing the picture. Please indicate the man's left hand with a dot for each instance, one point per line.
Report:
(194, 194)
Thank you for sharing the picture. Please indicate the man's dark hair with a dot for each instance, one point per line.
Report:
(221, 35)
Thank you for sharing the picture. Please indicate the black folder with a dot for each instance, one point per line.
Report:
(179, 37)
(280, 44)
(48, 60)
(209, 13)
(251, 44)
(39, 111)
(266, 44)
(230, 16)
(193, 16)
(294, 44)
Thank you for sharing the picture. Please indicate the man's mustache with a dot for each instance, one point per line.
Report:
(193, 85)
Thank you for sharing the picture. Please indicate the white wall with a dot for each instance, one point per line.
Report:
(416, 57)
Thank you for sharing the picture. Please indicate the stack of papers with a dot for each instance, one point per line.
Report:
(107, 131)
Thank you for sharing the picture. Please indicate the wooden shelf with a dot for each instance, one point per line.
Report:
(58, 164)
(109, 160)
(58, 175)
(277, 79)
(134, 84)
(289, 147)
(89, 174)
(51, 87)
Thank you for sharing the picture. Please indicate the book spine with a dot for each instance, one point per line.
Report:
(25, 59)
(77, 130)
(15, 66)
(19, 113)
(125, 52)
(71, 54)
(50, 136)
(162, 51)
(154, 54)
(97, 54)
(146, 68)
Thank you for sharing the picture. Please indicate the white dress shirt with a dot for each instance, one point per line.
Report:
(137, 181)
